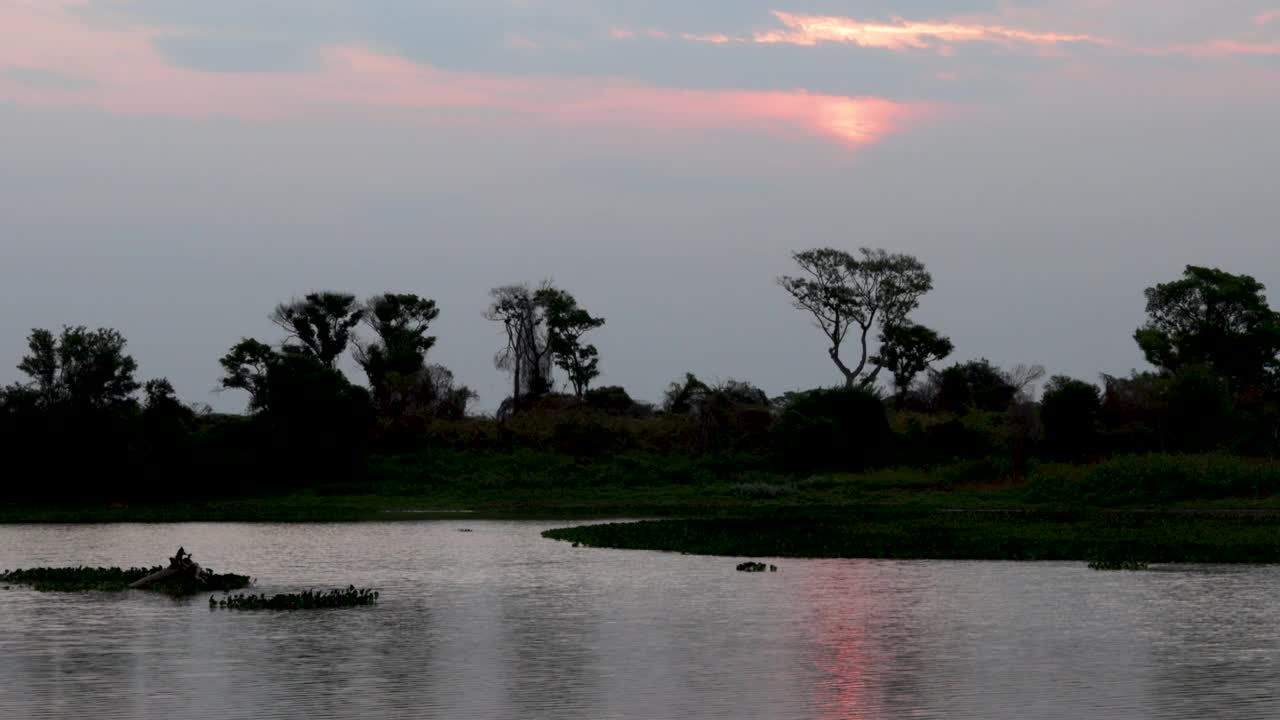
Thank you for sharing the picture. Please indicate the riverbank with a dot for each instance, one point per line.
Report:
(1162, 508)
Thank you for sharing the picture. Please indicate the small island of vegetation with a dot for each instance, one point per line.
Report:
(904, 457)
(181, 577)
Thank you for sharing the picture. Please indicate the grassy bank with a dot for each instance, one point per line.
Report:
(732, 504)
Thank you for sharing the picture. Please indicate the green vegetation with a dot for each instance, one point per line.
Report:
(1158, 480)
(114, 579)
(853, 468)
(307, 600)
(968, 535)
(1117, 565)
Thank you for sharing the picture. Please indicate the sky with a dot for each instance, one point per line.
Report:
(174, 169)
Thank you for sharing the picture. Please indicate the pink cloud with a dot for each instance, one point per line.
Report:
(124, 73)
(713, 38)
(906, 35)
(1228, 48)
(944, 36)
(1267, 17)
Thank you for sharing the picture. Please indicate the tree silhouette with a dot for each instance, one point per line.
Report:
(843, 292)
(321, 323)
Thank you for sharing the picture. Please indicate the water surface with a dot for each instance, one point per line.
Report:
(500, 623)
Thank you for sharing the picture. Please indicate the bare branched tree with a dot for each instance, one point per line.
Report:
(527, 355)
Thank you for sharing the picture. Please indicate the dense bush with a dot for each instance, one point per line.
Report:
(1070, 411)
(1199, 413)
(974, 385)
(833, 430)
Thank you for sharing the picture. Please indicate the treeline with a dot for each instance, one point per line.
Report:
(84, 427)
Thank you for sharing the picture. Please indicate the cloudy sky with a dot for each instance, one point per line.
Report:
(174, 168)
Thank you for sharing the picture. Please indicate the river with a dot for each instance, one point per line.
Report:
(486, 619)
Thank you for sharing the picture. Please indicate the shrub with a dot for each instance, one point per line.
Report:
(1200, 414)
(1069, 411)
(833, 430)
(974, 385)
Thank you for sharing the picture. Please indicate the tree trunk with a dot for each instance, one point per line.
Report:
(180, 565)
(849, 376)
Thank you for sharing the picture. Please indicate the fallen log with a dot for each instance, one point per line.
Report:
(181, 566)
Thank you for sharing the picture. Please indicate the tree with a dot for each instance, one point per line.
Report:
(974, 385)
(1070, 412)
(843, 292)
(566, 324)
(906, 350)
(681, 397)
(1022, 378)
(442, 397)
(309, 420)
(527, 354)
(321, 322)
(1212, 317)
(80, 370)
(833, 429)
(1199, 414)
(400, 323)
(246, 367)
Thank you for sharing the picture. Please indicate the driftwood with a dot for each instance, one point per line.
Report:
(180, 565)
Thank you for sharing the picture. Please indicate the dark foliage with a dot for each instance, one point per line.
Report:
(1070, 411)
(114, 579)
(833, 430)
(974, 385)
(306, 600)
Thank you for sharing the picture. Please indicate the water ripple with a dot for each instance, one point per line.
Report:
(499, 623)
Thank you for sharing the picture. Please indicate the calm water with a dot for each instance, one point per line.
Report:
(500, 623)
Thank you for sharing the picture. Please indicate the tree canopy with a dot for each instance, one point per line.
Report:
(80, 369)
(321, 323)
(1214, 318)
(566, 324)
(843, 292)
(398, 355)
(906, 350)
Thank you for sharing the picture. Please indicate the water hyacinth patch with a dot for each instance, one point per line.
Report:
(115, 579)
(1111, 564)
(307, 600)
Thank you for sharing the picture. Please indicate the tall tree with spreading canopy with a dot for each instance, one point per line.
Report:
(527, 355)
(400, 323)
(321, 323)
(566, 323)
(908, 349)
(80, 369)
(1214, 318)
(843, 292)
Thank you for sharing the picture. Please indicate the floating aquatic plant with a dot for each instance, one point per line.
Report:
(114, 579)
(1099, 564)
(307, 600)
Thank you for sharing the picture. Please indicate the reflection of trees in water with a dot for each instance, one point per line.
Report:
(1210, 658)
